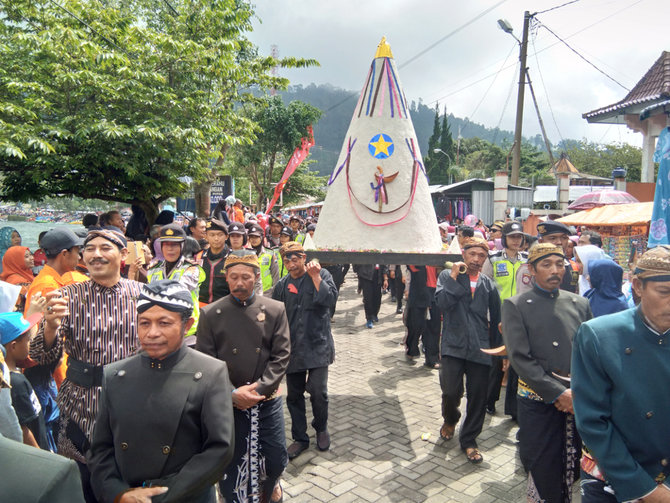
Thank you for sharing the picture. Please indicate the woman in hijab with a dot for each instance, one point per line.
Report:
(605, 296)
(585, 254)
(17, 269)
(9, 236)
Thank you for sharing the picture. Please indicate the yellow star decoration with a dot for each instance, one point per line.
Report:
(381, 146)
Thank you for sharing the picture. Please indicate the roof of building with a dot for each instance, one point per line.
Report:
(654, 86)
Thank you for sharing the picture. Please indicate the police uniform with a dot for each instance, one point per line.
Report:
(538, 327)
(188, 273)
(166, 422)
(273, 242)
(214, 285)
(267, 260)
(254, 341)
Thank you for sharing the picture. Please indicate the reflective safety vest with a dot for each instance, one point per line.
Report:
(504, 273)
(265, 260)
(300, 238)
(280, 263)
(156, 273)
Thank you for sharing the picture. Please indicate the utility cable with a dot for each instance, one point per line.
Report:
(509, 97)
(546, 94)
(431, 46)
(557, 7)
(582, 57)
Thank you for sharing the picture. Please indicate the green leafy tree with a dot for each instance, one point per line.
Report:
(119, 99)
(262, 162)
(431, 159)
(600, 160)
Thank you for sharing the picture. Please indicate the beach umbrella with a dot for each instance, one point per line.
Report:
(660, 217)
(602, 198)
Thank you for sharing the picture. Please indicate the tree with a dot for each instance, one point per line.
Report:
(431, 158)
(600, 160)
(262, 162)
(119, 99)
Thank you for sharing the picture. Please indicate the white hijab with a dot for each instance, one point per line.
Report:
(586, 254)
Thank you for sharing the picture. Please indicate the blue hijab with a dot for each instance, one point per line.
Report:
(605, 297)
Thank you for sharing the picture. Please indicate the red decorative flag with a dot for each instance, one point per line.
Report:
(299, 155)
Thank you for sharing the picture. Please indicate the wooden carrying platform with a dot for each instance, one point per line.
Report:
(370, 257)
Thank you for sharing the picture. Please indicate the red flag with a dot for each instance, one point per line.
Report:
(299, 155)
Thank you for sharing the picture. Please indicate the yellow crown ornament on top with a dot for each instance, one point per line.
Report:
(378, 196)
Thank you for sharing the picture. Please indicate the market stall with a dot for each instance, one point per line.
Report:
(624, 228)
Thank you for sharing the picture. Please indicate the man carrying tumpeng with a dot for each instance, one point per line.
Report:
(620, 371)
(95, 322)
(538, 327)
(308, 292)
(251, 334)
(470, 305)
(164, 430)
(177, 267)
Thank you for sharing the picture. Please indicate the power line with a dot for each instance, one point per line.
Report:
(174, 11)
(431, 46)
(582, 57)
(546, 94)
(509, 96)
(89, 27)
(557, 7)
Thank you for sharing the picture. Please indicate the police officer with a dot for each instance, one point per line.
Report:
(295, 223)
(273, 232)
(505, 268)
(177, 267)
(215, 285)
(266, 258)
(237, 236)
(558, 234)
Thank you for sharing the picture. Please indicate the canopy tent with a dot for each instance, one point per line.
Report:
(613, 215)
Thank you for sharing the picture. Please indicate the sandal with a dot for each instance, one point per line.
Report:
(474, 456)
(447, 431)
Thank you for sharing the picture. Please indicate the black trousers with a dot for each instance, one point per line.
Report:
(398, 287)
(495, 382)
(270, 444)
(424, 323)
(510, 393)
(315, 382)
(372, 295)
(476, 383)
(542, 447)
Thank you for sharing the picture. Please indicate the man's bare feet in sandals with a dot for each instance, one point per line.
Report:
(447, 431)
(474, 456)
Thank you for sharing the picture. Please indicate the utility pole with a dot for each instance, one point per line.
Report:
(516, 154)
(539, 118)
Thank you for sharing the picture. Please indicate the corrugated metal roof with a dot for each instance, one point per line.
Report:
(655, 85)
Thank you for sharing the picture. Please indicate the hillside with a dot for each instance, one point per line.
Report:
(338, 106)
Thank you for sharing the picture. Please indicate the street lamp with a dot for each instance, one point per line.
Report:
(523, 50)
(440, 151)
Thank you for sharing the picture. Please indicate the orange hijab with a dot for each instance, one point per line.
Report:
(14, 268)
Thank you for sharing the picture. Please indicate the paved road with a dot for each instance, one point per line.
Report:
(380, 407)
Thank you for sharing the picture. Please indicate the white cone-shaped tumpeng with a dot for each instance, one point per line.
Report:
(378, 197)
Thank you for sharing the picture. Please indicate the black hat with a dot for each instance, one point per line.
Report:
(275, 220)
(237, 228)
(311, 227)
(166, 293)
(255, 230)
(173, 233)
(216, 225)
(295, 217)
(512, 228)
(287, 230)
(552, 227)
(59, 239)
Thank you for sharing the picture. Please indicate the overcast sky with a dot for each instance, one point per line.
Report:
(473, 71)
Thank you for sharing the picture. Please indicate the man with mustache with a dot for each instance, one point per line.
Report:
(470, 305)
(95, 323)
(538, 327)
(308, 292)
(251, 334)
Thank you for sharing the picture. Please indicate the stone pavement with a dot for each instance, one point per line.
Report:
(380, 408)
